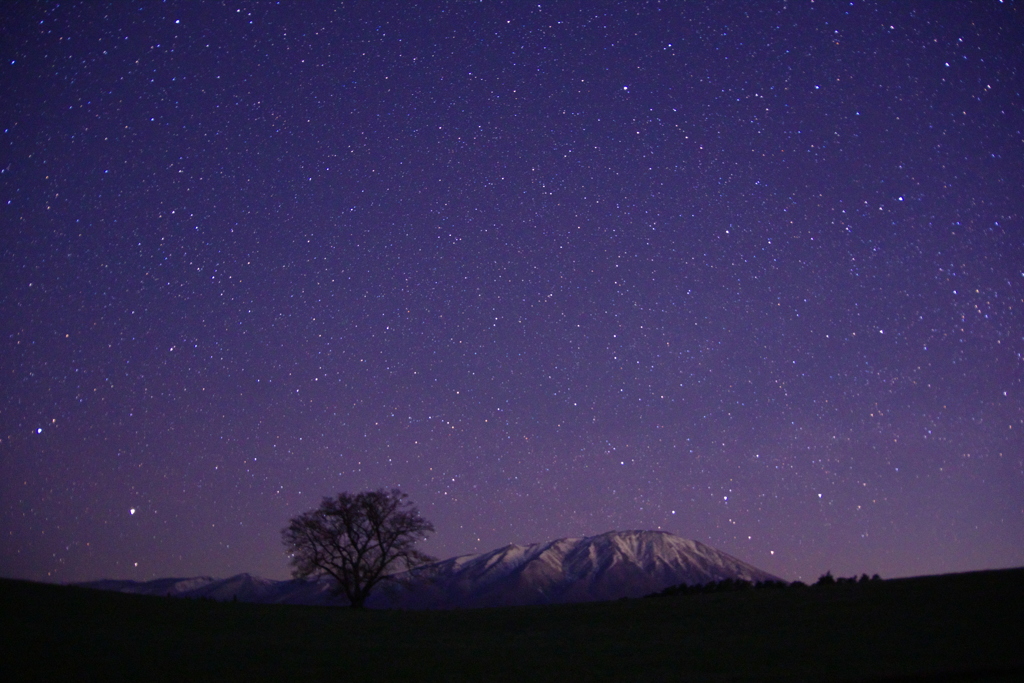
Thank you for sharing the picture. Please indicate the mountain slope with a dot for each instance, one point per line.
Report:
(605, 567)
(626, 564)
(242, 587)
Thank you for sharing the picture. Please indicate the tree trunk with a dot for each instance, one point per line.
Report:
(358, 599)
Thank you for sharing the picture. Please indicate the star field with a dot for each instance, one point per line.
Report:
(749, 273)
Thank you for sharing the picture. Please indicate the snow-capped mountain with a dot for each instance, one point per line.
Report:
(617, 564)
(242, 587)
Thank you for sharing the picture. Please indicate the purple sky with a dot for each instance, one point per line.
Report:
(752, 273)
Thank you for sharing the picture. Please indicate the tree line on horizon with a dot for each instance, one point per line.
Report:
(734, 585)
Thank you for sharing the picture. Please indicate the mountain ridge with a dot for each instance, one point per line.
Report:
(609, 566)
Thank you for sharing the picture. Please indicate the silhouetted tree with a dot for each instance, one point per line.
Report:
(826, 579)
(358, 540)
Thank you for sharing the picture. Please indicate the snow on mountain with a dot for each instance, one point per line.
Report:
(613, 565)
(242, 587)
(617, 564)
(170, 587)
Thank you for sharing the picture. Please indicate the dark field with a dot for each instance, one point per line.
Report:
(958, 627)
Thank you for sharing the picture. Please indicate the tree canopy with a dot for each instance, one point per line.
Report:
(357, 539)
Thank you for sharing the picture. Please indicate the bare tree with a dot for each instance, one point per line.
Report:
(357, 539)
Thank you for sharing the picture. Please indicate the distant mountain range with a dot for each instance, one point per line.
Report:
(617, 564)
(242, 587)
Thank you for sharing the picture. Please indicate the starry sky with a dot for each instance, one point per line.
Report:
(752, 273)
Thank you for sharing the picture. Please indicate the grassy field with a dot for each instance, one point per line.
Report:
(958, 627)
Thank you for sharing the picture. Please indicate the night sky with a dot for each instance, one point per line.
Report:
(752, 273)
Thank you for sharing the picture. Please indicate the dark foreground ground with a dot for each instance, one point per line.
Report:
(959, 627)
